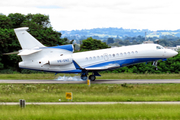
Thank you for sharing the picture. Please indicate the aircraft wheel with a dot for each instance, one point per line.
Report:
(84, 77)
(92, 77)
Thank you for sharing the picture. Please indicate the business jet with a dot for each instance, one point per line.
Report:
(62, 59)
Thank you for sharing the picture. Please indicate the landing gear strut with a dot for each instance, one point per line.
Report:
(155, 64)
(84, 74)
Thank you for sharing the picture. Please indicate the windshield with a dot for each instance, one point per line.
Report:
(159, 47)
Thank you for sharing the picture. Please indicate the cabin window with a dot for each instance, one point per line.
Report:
(86, 58)
(94, 57)
(113, 55)
(128, 53)
(101, 56)
(124, 53)
(109, 55)
(132, 52)
(98, 57)
(136, 52)
(121, 54)
(117, 54)
(90, 58)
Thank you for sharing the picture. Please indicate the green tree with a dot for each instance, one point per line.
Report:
(39, 26)
(16, 19)
(8, 43)
(92, 44)
(5, 22)
(39, 19)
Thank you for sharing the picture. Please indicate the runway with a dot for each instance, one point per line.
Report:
(84, 103)
(128, 81)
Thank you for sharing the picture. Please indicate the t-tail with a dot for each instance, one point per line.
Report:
(28, 43)
(26, 40)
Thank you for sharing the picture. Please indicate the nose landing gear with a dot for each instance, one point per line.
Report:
(155, 64)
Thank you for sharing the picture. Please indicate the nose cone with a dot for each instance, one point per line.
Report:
(174, 53)
(171, 53)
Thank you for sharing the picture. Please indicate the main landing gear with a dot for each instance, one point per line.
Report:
(92, 77)
(84, 74)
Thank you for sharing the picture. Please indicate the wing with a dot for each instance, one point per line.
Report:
(105, 67)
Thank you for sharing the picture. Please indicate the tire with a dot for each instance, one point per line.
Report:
(84, 77)
(92, 77)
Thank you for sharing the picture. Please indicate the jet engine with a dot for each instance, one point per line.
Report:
(63, 60)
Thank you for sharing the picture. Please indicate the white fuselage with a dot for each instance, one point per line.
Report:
(48, 58)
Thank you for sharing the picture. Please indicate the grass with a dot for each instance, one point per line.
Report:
(27, 76)
(51, 76)
(138, 76)
(104, 92)
(84, 93)
(91, 112)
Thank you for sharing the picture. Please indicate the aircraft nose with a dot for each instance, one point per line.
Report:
(171, 53)
(174, 53)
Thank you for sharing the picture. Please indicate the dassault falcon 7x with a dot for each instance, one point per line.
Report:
(61, 59)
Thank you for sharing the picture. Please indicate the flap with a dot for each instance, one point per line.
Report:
(110, 66)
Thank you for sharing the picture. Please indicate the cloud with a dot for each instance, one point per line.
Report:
(49, 7)
(85, 14)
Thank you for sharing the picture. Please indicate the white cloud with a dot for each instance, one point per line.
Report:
(85, 14)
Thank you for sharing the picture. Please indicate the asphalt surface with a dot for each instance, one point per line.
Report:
(128, 81)
(84, 103)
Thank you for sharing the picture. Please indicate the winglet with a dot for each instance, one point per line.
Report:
(76, 65)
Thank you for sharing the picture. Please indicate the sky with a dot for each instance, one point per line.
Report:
(87, 14)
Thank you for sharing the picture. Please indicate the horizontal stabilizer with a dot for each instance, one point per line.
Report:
(11, 53)
(28, 52)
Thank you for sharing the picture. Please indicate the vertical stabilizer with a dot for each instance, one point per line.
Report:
(26, 40)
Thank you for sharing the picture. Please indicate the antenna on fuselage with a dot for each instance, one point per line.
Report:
(157, 41)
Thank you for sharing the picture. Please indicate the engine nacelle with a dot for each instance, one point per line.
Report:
(64, 60)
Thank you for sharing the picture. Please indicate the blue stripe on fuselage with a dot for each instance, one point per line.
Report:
(122, 63)
(65, 47)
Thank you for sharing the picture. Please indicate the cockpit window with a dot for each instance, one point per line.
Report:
(158, 47)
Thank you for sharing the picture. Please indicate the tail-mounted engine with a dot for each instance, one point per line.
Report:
(63, 60)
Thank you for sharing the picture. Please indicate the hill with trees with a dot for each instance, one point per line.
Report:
(121, 37)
